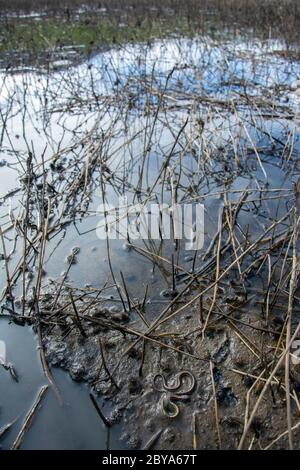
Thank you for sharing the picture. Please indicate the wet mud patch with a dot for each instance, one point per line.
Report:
(166, 390)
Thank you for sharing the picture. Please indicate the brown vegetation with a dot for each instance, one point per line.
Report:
(283, 16)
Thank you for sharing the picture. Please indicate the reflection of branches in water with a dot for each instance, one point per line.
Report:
(153, 131)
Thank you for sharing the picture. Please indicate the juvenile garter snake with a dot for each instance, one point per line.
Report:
(180, 388)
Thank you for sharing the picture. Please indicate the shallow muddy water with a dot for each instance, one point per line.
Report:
(221, 115)
(71, 425)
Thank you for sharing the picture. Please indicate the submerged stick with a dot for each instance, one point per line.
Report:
(152, 441)
(44, 363)
(6, 428)
(97, 408)
(29, 418)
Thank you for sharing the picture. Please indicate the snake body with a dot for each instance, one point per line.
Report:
(177, 390)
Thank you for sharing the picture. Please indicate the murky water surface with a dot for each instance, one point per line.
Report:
(104, 110)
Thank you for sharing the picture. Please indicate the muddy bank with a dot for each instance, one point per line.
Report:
(140, 375)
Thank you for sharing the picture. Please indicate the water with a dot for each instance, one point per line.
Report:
(68, 116)
(72, 425)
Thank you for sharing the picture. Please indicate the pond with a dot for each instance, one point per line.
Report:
(180, 121)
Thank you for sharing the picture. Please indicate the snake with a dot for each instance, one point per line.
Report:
(175, 391)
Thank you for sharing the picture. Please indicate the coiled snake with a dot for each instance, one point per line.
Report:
(173, 390)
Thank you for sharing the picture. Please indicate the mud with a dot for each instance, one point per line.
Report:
(135, 402)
